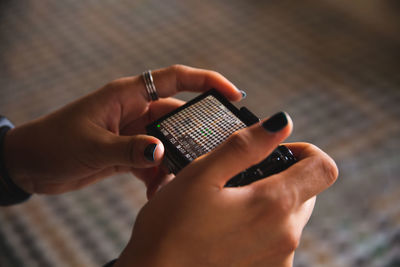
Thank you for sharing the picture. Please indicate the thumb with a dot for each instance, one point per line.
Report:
(245, 148)
(138, 151)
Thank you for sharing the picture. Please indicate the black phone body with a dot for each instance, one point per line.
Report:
(202, 124)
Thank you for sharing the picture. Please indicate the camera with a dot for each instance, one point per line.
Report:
(202, 124)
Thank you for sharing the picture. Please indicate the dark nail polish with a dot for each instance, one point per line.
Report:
(243, 94)
(276, 123)
(149, 152)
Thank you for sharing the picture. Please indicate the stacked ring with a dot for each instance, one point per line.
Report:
(150, 87)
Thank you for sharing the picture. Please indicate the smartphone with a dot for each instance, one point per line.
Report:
(202, 124)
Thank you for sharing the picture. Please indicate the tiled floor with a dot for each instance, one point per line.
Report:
(337, 75)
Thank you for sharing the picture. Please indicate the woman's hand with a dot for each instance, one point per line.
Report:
(103, 133)
(196, 221)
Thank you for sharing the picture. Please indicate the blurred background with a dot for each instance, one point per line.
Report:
(333, 65)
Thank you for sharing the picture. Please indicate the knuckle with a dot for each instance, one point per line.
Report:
(282, 199)
(215, 73)
(240, 143)
(290, 240)
(311, 148)
(325, 164)
(212, 74)
(178, 70)
(285, 201)
(177, 67)
(329, 169)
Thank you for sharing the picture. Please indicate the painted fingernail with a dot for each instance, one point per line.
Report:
(149, 152)
(243, 94)
(276, 123)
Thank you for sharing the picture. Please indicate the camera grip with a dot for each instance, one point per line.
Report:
(280, 159)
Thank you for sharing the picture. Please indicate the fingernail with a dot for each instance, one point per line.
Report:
(149, 152)
(276, 123)
(243, 94)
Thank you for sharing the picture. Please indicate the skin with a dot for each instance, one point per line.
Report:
(205, 224)
(102, 133)
(192, 220)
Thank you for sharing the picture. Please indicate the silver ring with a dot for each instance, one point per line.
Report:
(150, 87)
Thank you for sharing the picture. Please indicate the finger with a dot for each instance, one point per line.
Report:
(156, 110)
(161, 180)
(160, 108)
(313, 173)
(154, 178)
(178, 78)
(243, 149)
(138, 151)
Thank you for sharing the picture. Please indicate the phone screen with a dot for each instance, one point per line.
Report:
(202, 124)
(200, 127)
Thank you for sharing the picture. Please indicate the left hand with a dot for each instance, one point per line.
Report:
(102, 133)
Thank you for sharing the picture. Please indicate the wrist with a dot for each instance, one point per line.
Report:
(150, 253)
(131, 256)
(136, 256)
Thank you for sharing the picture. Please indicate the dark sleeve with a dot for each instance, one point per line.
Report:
(110, 264)
(10, 193)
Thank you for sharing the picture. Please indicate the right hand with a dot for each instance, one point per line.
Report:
(196, 221)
